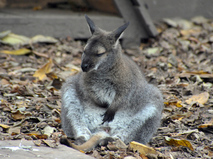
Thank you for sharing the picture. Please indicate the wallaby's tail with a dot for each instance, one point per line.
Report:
(88, 145)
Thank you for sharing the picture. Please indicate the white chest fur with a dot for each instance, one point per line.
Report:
(104, 94)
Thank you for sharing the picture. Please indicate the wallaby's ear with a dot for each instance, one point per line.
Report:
(91, 24)
(117, 33)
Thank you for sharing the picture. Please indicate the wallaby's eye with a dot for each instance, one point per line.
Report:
(100, 51)
(99, 55)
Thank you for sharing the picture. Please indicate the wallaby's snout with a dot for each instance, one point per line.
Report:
(85, 67)
(87, 62)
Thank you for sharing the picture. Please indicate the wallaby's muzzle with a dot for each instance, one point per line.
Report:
(85, 67)
(86, 63)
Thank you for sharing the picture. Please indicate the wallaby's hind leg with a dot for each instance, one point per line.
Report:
(139, 127)
(73, 120)
(147, 130)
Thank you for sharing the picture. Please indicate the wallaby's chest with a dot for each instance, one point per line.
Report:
(102, 92)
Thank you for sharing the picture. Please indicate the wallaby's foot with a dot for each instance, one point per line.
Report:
(65, 141)
(69, 142)
(100, 138)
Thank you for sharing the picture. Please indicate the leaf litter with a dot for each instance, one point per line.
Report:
(179, 61)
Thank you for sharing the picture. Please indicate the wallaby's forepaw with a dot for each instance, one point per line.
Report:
(108, 116)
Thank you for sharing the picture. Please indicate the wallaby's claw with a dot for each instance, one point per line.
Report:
(108, 116)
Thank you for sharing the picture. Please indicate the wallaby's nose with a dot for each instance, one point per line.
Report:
(85, 67)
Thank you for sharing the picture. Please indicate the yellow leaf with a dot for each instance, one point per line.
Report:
(37, 135)
(141, 148)
(4, 126)
(200, 98)
(43, 39)
(14, 39)
(41, 73)
(4, 33)
(22, 51)
(175, 103)
(178, 142)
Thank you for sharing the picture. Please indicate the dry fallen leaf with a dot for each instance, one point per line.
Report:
(178, 142)
(14, 39)
(200, 98)
(18, 115)
(141, 148)
(188, 32)
(22, 51)
(37, 135)
(21, 104)
(41, 73)
(50, 143)
(4, 126)
(116, 145)
(207, 127)
(175, 103)
(4, 33)
(14, 130)
(4, 82)
(43, 39)
(37, 142)
(48, 130)
(180, 116)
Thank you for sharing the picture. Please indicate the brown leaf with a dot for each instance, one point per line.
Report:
(37, 142)
(18, 115)
(4, 82)
(188, 32)
(178, 142)
(41, 73)
(21, 104)
(50, 143)
(179, 116)
(14, 130)
(200, 98)
(202, 74)
(52, 75)
(116, 145)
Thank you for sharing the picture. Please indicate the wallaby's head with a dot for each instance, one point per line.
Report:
(100, 50)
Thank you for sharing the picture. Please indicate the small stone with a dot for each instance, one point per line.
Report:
(129, 157)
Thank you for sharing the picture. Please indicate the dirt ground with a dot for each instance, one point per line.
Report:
(179, 61)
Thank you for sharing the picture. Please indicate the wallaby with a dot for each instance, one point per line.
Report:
(111, 98)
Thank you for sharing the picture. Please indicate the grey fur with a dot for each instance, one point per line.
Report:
(111, 93)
